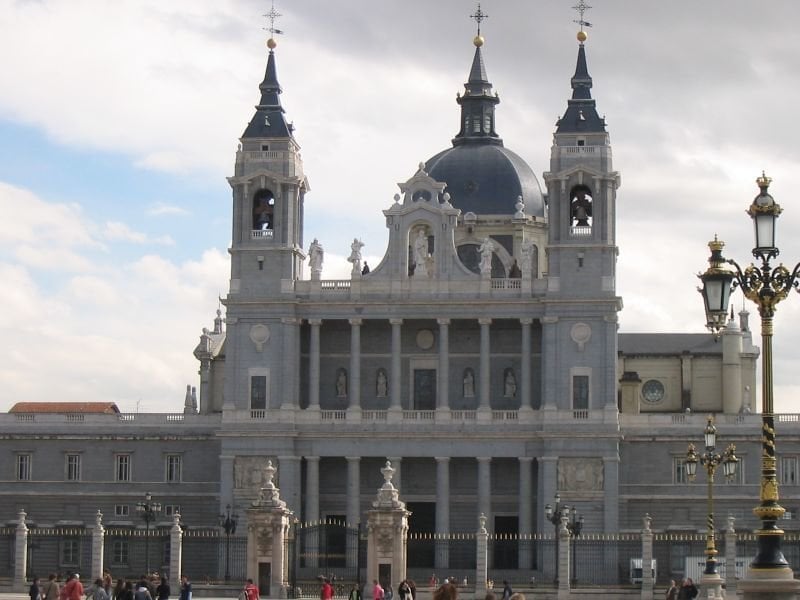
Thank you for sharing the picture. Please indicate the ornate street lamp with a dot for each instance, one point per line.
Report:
(711, 459)
(148, 511)
(228, 523)
(574, 526)
(766, 286)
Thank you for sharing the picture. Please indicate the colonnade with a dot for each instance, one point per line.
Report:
(395, 375)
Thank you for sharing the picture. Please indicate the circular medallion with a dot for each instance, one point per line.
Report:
(425, 339)
(653, 391)
(580, 333)
(259, 334)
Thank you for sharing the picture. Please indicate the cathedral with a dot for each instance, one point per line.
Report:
(481, 356)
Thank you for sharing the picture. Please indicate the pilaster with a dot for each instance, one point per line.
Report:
(21, 552)
(313, 364)
(98, 537)
(354, 391)
(175, 552)
(485, 372)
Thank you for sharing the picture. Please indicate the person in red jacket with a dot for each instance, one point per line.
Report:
(251, 590)
(327, 590)
(73, 589)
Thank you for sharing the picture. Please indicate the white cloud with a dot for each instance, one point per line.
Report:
(160, 209)
(116, 231)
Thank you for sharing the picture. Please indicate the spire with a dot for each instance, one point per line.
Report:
(269, 120)
(581, 115)
(478, 102)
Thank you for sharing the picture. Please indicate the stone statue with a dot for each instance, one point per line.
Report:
(316, 255)
(510, 384)
(341, 384)
(381, 384)
(469, 384)
(486, 249)
(421, 253)
(527, 252)
(355, 255)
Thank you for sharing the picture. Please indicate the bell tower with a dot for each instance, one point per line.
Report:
(268, 190)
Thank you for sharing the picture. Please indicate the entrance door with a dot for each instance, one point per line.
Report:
(420, 546)
(506, 551)
(424, 389)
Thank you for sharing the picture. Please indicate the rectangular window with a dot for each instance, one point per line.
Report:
(119, 553)
(73, 467)
(580, 392)
(173, 466)
(258, 392)
(121, 510)
(679, 471)
(70, 552)
(24, 467)
(788, 470)
(172, 509)
(122, 467)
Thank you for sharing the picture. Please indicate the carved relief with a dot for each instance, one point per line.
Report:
(248, 471)
(580, 474)
(264, 541)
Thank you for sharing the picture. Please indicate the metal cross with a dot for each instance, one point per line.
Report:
(479, 16)
(582, 7)
(272, 15)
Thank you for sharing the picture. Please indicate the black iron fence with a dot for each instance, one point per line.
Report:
(58, 550)
(331, 550)
(130, 553)
(211, 556)
(7, 537)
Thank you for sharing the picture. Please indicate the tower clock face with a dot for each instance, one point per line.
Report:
(653, 391)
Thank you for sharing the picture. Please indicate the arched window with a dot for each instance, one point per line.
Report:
(263, 210)
(580, 206)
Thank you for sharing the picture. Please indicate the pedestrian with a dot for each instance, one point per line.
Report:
(127, 591)
(51, 589)
(672, 591)
(119, 589)
(250, 590)
(142, 592)
(388, 594)
(163, 591)
(355, 593)
(186, 588)
(447, 591)
(97, 591)
(403, 590)
(73, 589)
(507, 591)
(326, 593)
(688, 590)
(34, 592)
(377, 590)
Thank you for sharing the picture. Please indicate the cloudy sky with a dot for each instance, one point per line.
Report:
(119, 122)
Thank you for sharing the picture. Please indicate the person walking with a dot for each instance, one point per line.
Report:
(73, 589)
(163, 590)
(355, 593)
(186, 588)
(507, 591)
(250, 590)
(672, 591)
(377, 590)
(326, 593)
(34, 591)
(97, 591)
(688, 590)
(51, 589)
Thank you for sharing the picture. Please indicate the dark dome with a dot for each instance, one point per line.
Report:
(486, 179)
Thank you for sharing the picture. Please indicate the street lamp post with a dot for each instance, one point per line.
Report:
(228, 523)
(574, 526)
(766, 286)
(711, 459)
(148, 511)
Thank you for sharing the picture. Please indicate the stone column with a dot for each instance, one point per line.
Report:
(290, 481)
(730, 558)
(525, 509)
(443, 378)
(313, 364)
(647, 559)
(353, 505)
(289, 398)
(485, 387)
(175, 552)
(549, 362)
(546, 488)
(397, 465)
(482, 558)
(396, 376)
(526, 401)
(98, 537)
(267, 528)
(387, 531)
(442, 560)
(312, 508)
(485, 488)
(611, 493)
(226, 483)
(563, 560)
(354, 384)
(21, 553)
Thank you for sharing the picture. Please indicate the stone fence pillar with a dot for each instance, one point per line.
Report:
(98, 537)
(730, 558)
(387, 533)
(267, 529)
(21, 553)
(563, 559)
(482, 562)
(175, 552)
(647, 559)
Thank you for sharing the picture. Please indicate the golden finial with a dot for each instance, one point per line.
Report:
(271, 43)
(478, 16)
(582, 7)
